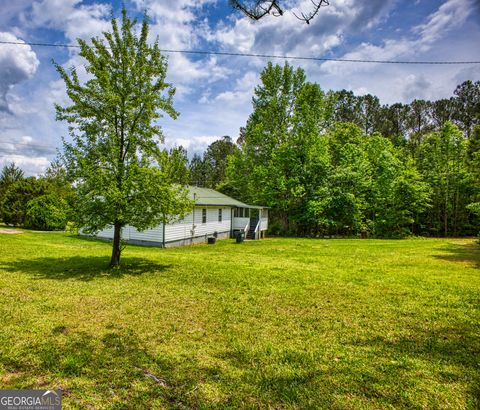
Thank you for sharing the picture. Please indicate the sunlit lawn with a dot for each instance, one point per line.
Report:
(278, 323)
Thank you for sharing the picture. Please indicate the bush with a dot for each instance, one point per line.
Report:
(47, 213)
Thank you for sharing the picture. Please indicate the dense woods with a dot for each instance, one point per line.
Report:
(333, 163)
(326, 163)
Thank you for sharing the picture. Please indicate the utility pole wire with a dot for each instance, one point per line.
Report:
(271, 56)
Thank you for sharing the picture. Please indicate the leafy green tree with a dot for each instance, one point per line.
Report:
(216, 160)
(442, 161)
(397, 193)
(199, 171)
(418, 124)
(47, 213)
(370, 112)
(280, 143)
(176, 166)
(14, 209)
(442, 110)
(349, 181)
(393, 124)
(122, 175)
(210, 170)
(467, 106)
(346, 107)
(10, 174)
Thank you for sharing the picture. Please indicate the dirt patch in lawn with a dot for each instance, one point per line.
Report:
(9, 231)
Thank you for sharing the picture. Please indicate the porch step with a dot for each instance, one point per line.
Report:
(251, 230)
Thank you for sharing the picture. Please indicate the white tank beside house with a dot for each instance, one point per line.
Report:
(213, 215)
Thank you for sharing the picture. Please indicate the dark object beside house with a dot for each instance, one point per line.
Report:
(211, 240)
(240, 237)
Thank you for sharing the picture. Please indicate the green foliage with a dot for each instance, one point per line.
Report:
(336, 163)
(10, 174)
(17, 196)
(281, 141)
(47, 213)
(209, 170)
(467, 106)
(442, 161)
(474, 208)
(122, 175)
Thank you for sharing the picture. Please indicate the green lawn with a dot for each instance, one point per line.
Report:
(278, 323)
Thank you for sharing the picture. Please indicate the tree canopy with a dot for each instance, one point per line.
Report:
(336, 163)
(114, 155)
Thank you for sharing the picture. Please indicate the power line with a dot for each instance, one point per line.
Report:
(276, 56)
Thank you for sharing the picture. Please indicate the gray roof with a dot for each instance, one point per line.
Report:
(210, 197)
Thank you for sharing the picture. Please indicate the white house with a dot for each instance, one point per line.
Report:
(213, 215)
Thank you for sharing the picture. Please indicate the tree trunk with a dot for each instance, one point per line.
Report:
(116, 249)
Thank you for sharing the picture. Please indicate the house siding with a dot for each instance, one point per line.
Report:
(179, 231)
(129, 233)
(183, 229)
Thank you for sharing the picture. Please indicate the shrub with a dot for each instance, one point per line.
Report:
(47, 212)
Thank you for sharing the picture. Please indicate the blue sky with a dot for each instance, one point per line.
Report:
(214, 92)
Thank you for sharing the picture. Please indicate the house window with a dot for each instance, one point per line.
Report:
(220, 215)
(204, 215)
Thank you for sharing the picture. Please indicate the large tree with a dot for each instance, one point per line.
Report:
(122, 175)
(210, 170)
(282, 157)
(9, 175)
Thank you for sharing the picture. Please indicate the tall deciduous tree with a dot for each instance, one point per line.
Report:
(9, 175)
(121, 173)
(442, 161)
(467, 106)
(281, 145)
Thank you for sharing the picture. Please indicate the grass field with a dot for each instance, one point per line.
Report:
(278, 323)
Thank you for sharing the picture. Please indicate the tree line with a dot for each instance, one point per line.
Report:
(41, 203)
(326, 163)
(333, 163)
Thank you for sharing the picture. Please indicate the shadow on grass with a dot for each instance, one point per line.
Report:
(115, 368)
(376, 372)
(112, 370)
(469, 253)
(449, 354)
(83, 268)
(95, 372)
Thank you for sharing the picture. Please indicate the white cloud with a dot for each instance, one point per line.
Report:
(179, 26)
(287, 35)
(450, 15)
(29, 165)
(426, 41)
(414, 87)
(194, 144)
(17, 64)
(75, 19)
(243, 91)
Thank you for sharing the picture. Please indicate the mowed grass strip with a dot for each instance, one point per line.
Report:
(277, 323)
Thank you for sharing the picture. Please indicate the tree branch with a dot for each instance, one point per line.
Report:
(260, 8)
(316, 7)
